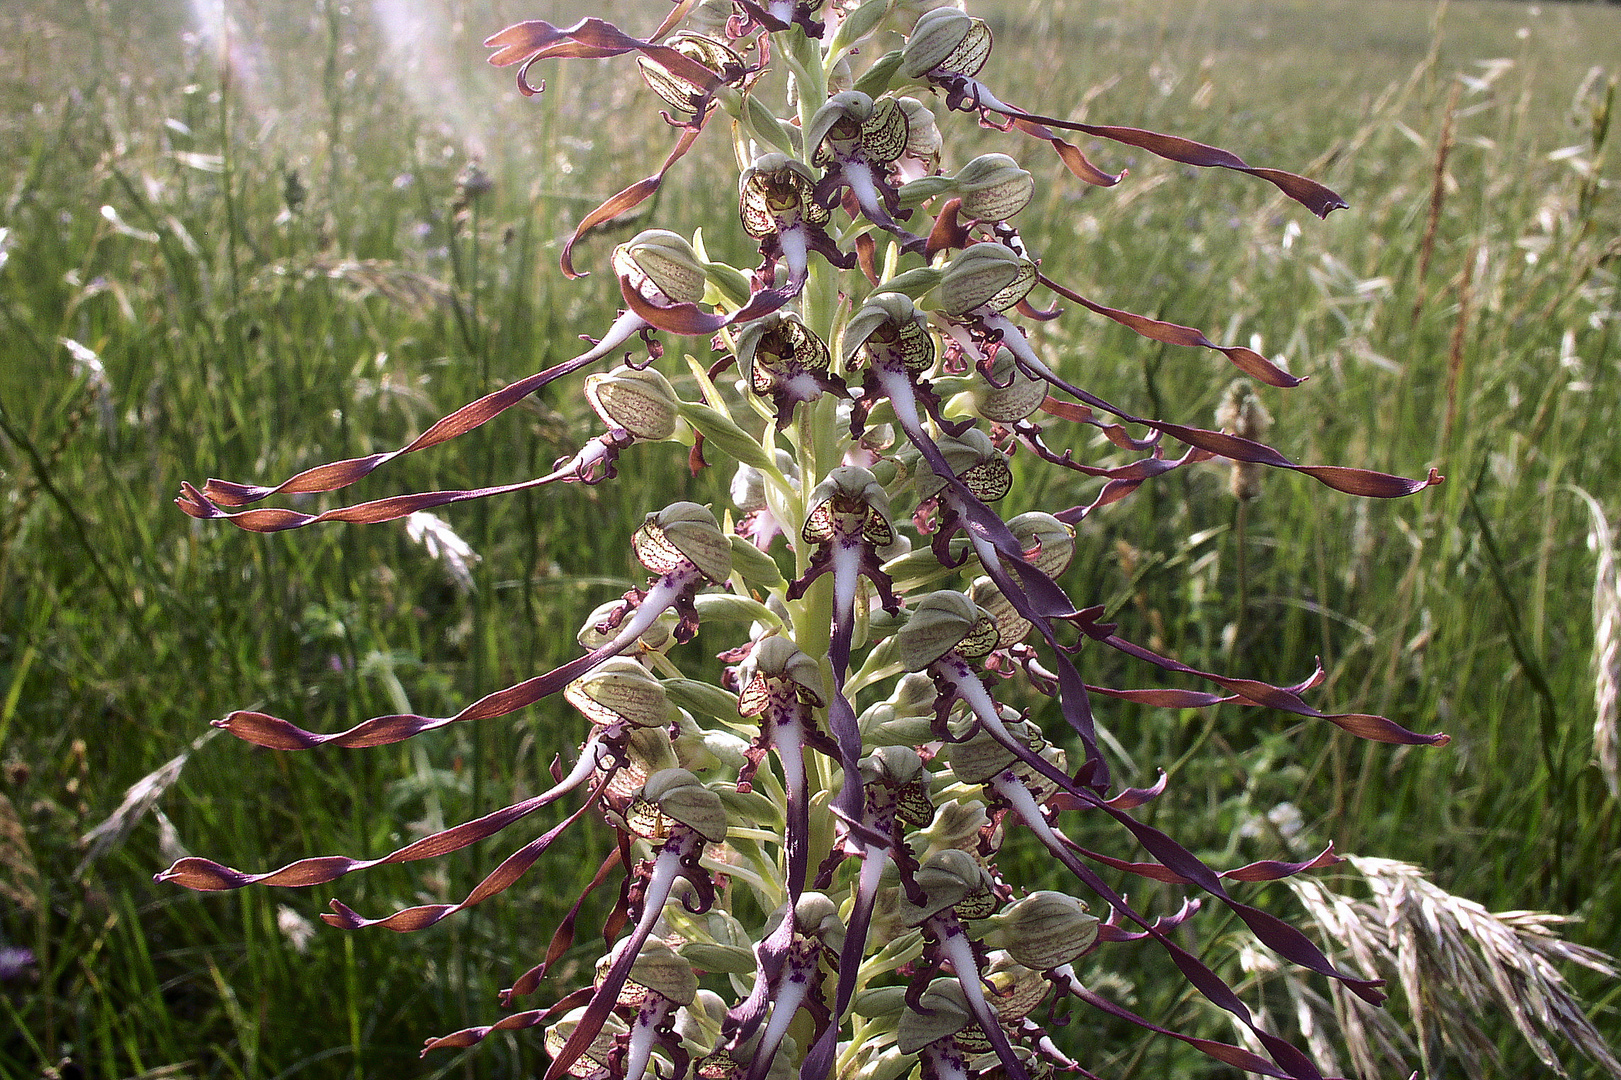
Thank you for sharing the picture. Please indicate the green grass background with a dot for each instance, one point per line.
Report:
(144, 201)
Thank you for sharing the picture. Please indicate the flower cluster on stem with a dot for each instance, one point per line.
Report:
(860, 765)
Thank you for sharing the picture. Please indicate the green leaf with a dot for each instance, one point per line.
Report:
(724, 433)
(758, 569)
(764, 125)
(701, 698)
(727, 959)
(877, 79)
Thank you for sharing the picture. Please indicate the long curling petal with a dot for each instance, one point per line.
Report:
(1315, 197)
(276, 519)
(1364, 482)
(262, 729)
(1246, 360)
(205, 875)
(512, 868)
(340, 474)
(591, 39)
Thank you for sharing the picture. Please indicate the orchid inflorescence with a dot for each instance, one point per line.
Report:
(854, 771)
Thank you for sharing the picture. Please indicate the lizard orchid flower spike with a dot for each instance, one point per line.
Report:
(809, 849)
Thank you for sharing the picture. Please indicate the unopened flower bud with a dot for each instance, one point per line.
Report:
(954, 879)
(647, 751)
(993, 187)
(665, 259)
(1048, 543)
(681, 95)
(1011, 627)
(975, 461)
(979, 759)
(1008, 395)
(594, 1062)
(986, 275)
(947, 1014)
(879, 1001)
(656, 970)
(940, 622)
(656, 638)
(639, 401)
(681, 796)
(948, 41)
(684, 532)
(701, 749)
(841, 78)
(619, 690)
(748, 483)
(698, 1023)
(957, 824)
(815, 916)
(1018, 989)
(883, 725)
(1047, 930)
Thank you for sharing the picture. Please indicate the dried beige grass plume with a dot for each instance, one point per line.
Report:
(444, 545)
(1457, 965)
(1606, 645)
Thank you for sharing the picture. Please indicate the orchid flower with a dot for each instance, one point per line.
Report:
(807, 848)
(857, 139)
(777, 203)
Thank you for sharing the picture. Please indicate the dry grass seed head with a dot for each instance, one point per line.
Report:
(1454, 960)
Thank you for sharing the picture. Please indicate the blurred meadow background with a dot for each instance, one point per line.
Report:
(238, 240)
